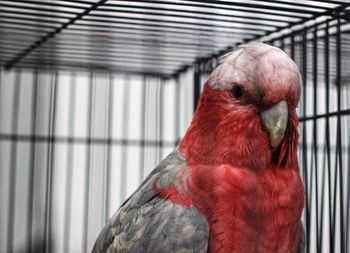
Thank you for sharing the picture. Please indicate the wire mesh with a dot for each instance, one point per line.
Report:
(158, 37)
(321, 51)
(74, 144)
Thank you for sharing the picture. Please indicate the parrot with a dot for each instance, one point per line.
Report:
(233, 183)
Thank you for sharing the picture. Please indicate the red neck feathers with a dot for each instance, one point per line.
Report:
(223, 132)
(251, 195)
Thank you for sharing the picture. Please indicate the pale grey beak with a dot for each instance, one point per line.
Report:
(275, 121)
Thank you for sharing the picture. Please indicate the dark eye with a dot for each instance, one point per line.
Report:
(237, 91)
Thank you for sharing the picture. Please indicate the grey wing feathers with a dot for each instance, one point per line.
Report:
(147, 223)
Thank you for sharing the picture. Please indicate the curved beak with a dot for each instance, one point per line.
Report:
(275, 121)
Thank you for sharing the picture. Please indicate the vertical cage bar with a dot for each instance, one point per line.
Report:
(347, 150)
(334, 220)
(32, 161)
(323, 185)
(323, 166)
(69, 174)
(47, 247)
(109, 145)
(197, 84)
(125, 132)
(161, 105)
(327, 133)
(292, 46)
(339, 133)
(157, 126)
(13, 161)
(88, 157)
(177, 110)
(142, 129)
(304, 140)
(324, 162)
(348, 196)
(337, 150)
(104, 212)
(315, 141)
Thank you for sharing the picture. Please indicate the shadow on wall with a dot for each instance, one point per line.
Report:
(38, 246)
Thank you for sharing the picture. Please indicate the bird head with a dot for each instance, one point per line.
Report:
(246, 114)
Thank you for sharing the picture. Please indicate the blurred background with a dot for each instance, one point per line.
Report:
(93, 94)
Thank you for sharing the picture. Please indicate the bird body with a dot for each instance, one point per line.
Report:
(149, 222)
(233, 184)
(247, 211)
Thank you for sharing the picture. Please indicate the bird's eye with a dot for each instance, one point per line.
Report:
(237, 91)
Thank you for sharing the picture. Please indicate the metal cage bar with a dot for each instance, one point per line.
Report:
(167, 42)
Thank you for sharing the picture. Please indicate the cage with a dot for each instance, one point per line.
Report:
(93, 94)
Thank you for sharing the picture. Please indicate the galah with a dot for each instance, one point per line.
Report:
(233, 183)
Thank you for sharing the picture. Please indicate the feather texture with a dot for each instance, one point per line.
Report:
(225, 189)
(151, 224)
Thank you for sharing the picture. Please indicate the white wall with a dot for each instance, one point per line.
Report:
(80, 185)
